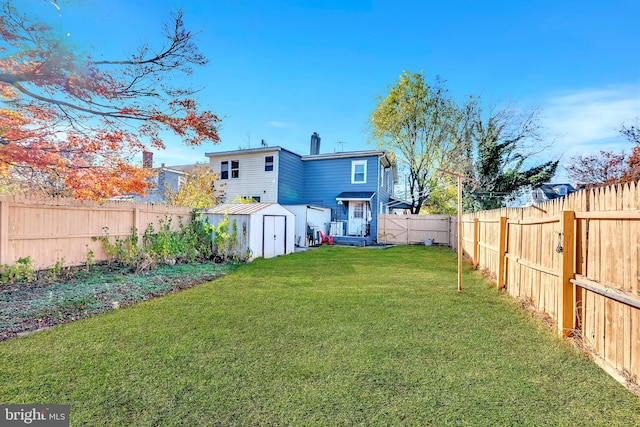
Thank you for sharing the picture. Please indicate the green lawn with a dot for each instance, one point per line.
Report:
(333, 336)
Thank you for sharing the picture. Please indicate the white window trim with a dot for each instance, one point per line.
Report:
(355, 163)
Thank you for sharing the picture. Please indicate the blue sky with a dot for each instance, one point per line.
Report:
(282, 69)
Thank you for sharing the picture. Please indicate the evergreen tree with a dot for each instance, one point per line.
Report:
(499, 169)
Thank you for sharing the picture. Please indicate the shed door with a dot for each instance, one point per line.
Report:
(274, 236)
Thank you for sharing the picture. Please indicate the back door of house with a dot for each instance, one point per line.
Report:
(356, 218)
(274, 236)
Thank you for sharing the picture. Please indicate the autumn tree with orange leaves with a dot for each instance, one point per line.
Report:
(607, 167)
(632, 133)
(71, 125)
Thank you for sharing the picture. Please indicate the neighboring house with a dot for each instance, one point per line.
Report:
(551, 191)
(167, 177)
(356, 186)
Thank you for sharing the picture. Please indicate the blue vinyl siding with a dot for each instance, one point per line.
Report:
(290, 184)
(386, 189)
(325, 179)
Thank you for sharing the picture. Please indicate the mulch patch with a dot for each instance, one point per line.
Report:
(29, 307)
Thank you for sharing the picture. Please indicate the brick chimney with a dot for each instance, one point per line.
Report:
(315, 144)
(147, 159)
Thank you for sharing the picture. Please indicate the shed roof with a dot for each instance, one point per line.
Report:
(240, 208)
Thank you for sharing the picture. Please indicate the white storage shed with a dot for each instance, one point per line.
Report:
(266, 229)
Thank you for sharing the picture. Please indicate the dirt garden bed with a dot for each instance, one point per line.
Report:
(28, 307)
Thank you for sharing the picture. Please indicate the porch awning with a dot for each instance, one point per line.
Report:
(356, 195)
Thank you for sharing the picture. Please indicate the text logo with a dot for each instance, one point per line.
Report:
(34, 415)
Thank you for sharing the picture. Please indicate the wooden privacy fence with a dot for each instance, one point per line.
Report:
(576, 259)
(49, 230)
(415, 229)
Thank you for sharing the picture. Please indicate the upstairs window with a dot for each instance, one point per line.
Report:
(224, 170)
(359, 172)
(268, 163)
(235, 169)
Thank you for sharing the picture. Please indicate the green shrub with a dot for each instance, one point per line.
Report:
(188, 243)
(123, 251)
(90, 258)
(21, 271)
(55, 271)
(226, 244)
(167, 244)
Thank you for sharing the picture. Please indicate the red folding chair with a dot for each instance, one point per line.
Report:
(326, 239)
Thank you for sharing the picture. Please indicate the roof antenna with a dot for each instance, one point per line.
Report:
(341, 145)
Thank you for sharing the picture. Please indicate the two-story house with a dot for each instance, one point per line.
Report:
(356, 185)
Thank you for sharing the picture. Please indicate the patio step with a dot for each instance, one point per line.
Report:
(350, 240)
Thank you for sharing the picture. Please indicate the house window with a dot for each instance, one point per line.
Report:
(224, 170)
(359, 172)
(235, 169)
(268, 163)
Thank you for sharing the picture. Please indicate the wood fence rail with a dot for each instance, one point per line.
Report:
(49, 230)
(576, 259)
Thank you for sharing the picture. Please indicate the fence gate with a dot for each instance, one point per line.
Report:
(412, 229)
(394, 229)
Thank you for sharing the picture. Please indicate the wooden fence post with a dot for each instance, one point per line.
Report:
(4, 232)
(566, 289)
(502, 246)
(476, 242)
